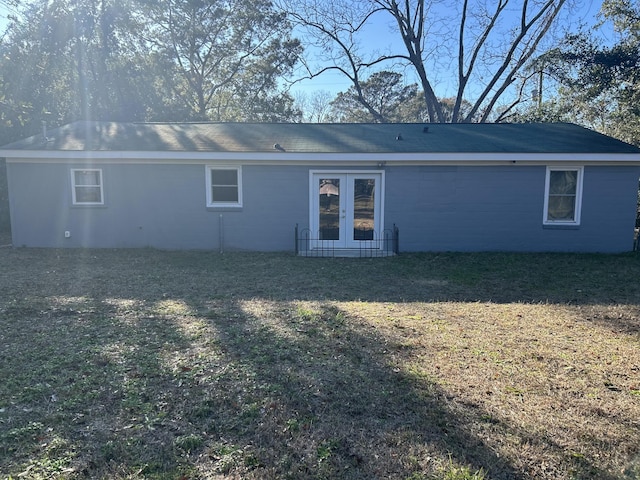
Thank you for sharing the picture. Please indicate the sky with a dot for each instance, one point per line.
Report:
(379, 37)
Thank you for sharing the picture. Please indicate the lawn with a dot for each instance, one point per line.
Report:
(137, 364)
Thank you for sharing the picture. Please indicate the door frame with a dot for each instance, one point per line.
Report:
(348, 175)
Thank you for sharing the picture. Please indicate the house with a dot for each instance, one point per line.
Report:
(342, 188)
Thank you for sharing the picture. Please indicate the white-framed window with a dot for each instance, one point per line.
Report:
(224, 186)
(86, 186)
(563, 196)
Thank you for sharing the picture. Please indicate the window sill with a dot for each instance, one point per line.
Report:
(88, 205)
(224, 208)
(561, 226)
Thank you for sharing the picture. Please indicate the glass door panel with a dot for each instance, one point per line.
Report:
(364, 206)
(329, 209)
(346, 209)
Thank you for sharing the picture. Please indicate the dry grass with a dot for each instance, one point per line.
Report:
(184, 365)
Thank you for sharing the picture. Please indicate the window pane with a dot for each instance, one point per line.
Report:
(563, 182)
(224, 186)
(363, 206)
(88, 195)
(87, 177)
(224, 194)
(329, 211)
(561, 207)
(224, 177)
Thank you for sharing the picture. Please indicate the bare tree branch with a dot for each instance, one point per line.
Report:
(465, 74)
(411, 28)
(340, 30)
(492, 47)
(526, 54)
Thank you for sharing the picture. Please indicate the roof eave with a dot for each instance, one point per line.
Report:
(47, 156)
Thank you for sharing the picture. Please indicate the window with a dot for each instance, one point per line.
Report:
(86, 187)
(563, 196)
(224, 186)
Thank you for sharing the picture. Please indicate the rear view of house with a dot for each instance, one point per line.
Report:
(324, 188)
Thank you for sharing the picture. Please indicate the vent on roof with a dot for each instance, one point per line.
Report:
(45, 139)
(44, 130)
(399, 137)
(425, 129)
(277, 146)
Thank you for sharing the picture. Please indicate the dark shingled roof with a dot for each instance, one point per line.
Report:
(324, 138)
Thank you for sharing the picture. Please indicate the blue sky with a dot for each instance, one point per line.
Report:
(381, 38)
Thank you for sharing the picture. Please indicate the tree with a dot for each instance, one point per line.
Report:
(227, 55)
(64, 60)
(490, 43)
(332, 28)
(379, 99)
(315, 107)
(600, 84)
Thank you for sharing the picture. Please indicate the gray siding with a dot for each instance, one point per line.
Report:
(462, 208)
(436, 208)
(161, 206)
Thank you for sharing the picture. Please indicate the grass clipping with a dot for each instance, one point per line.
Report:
(182, 365)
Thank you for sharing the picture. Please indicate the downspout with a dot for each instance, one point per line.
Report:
(221, 233)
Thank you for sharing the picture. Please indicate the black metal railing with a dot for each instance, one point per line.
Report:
(310, 244)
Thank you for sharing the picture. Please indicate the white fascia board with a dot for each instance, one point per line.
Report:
(291, 158)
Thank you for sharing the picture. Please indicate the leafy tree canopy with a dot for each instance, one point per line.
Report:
(143, 60)
(382, 98)
(599, 84)
(227, 56)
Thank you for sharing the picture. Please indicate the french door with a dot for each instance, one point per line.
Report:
(346, 209)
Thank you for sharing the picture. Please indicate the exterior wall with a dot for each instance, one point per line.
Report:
(436, 208)
(500, 208)
(156, 205)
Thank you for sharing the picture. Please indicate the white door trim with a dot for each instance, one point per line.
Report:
(346, 240)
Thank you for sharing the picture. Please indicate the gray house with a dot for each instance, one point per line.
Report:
(325, 189)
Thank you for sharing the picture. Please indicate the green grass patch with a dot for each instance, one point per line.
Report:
(142, 364)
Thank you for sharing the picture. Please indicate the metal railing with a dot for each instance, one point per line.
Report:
(310, 244)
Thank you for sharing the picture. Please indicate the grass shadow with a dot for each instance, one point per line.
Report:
(336, 400)
(145, 364)
(88, 390)
(331, 403)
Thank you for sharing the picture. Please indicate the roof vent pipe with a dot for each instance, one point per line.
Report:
(425, 129)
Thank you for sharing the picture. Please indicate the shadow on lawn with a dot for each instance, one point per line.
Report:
(88, 393)
(335, 406)
(239, 381)
(288, 394)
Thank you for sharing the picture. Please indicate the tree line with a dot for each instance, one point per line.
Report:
(145, 60)
(241, 60)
